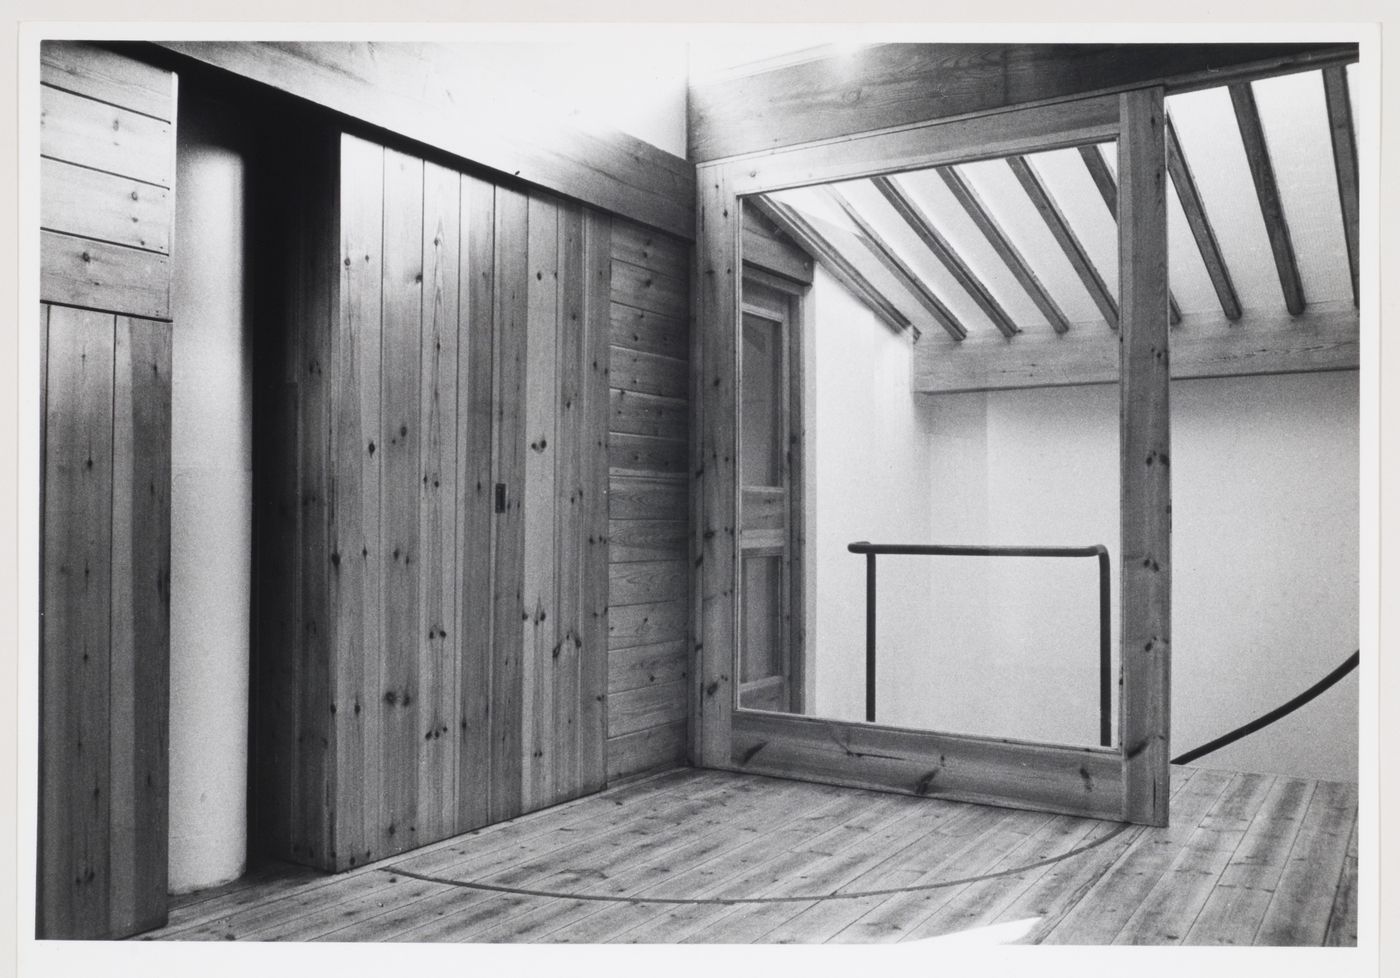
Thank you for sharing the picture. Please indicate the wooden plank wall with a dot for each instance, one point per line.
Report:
(648, 452)
(106, 191)
(433, 635)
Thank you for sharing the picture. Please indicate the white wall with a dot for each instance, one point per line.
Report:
(1265, 556)
(210, 504)
(868, 444)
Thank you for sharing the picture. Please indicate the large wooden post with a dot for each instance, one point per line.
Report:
(1145, 708)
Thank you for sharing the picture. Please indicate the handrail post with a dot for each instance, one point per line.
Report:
(870, 637)
(1105, 654)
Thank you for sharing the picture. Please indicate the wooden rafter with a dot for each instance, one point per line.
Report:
(795, 226)
(1261, 169)
(1334, 83)
(1002, 245)
(936, 243)
(900, 269)
(1108, 190)
(1069, 243)
(1199, 222)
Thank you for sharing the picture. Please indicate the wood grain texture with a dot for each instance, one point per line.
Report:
(109, 76)
(108, 277)
(1145, 453)
(475, 409)
(440, 649)
(648, 332)
(105, 137)
(650, 288)
(1327, 336)
(646, 373)
(1261, 169)
(355, 539)
(1058, 779)
(92, 204)
(410, 89)
(882, 86)
(74, 878)
(766, 248)
(140, 662)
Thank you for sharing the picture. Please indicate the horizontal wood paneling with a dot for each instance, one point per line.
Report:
(1325, 337)
(92, 204)
(439, 95)
(1059, 779)
(648, 458)
(109, 76)
(105, 137)
(887, 85)
(97, 275)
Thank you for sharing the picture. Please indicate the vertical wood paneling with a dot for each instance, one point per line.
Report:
(540, 602)
(475, 397)
(1145, 460)
(355, 555)
(593, 600)
(570, 532)
(75, 777)
(511, 298)
(140, 622)
(399, 489)
(437, 518)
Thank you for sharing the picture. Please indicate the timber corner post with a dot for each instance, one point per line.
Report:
(716, 475)
(1145, 455)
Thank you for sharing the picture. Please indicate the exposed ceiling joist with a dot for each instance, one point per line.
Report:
(1261, 168)
(1069, 243)
(1334, 83)
(795, 226)
(1108, 190)
(900, 269)
(1008, 252)
(1199, 222)
(945, 253)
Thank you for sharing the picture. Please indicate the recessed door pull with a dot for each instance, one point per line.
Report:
(500, 497)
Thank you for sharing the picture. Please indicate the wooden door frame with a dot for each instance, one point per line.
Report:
(1128, 782)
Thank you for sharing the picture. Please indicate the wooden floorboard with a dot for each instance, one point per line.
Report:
(1247, 859)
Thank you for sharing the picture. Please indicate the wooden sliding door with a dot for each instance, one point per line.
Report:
(441, 663)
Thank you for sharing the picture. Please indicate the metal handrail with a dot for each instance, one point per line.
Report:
(871, 550)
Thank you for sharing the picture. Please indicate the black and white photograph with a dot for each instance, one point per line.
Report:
(657, 486)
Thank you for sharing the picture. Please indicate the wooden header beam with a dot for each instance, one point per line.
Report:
(885, 86)
(432, 93)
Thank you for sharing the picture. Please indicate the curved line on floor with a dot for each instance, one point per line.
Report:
(726, 902)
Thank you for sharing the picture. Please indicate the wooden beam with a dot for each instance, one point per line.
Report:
(1200, 225)
(1145, 439)
(766, 248)
(795, 226)
(1007, 251)
(1069, 243)
(1078, 781)
(435, 94)
(1270, 204)
(1325, 337)
(900, 269)
(1334, 83)
(884, 86)
(944, 252)
(1108, 189)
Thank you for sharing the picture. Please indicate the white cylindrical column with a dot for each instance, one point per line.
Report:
(210, 504)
